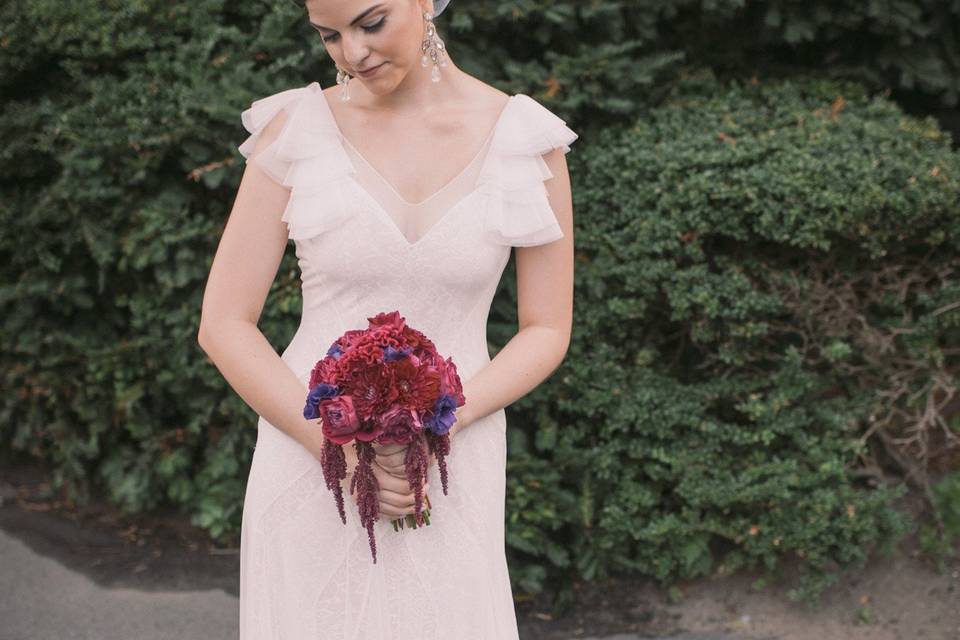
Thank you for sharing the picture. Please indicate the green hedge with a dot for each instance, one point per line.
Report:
(740, 254)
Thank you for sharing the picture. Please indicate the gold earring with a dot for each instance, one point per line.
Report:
(343, 78)
(432, 48)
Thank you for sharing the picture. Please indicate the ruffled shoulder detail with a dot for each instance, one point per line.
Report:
(516, 201)
(305, 156)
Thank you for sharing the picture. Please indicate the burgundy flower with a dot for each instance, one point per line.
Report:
(450, 382)
(392, 320)
(319, 393)
(400, 425)
(340, 421)
(422, 345)
(369, 431)
(323, 372)
(349, 338)
(371, 387)
(415, 386)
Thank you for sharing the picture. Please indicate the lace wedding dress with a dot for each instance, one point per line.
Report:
(304, 574)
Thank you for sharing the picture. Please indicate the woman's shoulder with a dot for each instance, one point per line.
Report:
(529, 127)
(484, 98)
(266, 117)
(264, 108)
(287, 126)
(488, 94)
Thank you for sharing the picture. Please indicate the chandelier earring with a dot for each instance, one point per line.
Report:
(343, 78)
(432, 48)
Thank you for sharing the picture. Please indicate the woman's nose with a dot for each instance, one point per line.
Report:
(354, 52)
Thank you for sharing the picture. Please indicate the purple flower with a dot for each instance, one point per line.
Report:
(442, 418)
(390, 354)
(320, 392)
(335, 351)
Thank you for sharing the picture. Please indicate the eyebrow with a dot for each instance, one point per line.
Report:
(352, 22)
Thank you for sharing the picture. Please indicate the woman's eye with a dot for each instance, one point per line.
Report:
(368, 28)
(375, 27)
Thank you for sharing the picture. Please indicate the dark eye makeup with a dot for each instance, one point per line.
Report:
(369, 29)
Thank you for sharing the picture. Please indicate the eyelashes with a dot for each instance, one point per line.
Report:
(371, 29)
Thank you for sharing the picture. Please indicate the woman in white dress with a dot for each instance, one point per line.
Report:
(408, 195)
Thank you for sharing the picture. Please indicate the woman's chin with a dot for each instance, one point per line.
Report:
(382, 72)
(380, 85)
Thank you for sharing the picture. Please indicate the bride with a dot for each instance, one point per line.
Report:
(404, 186)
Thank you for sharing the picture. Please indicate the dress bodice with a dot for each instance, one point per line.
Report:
(355, 256)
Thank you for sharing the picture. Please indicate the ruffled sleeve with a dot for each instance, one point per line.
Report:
(305, 156)
(517, 210)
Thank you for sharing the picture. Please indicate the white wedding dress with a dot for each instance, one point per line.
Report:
(304, 574)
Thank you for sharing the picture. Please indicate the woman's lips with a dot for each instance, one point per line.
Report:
(371, 72)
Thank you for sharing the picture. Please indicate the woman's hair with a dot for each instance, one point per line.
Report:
(438, 5)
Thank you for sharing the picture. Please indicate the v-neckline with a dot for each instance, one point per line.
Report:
(344, 142)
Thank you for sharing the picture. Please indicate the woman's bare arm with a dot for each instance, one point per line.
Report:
(243, 269)
(545, 313)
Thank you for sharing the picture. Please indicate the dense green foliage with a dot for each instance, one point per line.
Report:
(696, 423)
(939, 538)
(738, 252)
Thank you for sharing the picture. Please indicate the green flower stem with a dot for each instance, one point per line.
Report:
(410, 520)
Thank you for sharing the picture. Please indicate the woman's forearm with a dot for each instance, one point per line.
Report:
(258, 375)
(520, 366)
(250, 365)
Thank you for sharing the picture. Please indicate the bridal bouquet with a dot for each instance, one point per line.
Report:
(385, 384)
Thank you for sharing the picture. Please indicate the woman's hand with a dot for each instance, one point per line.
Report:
(314, 442)
(397, 497)
(390, 458)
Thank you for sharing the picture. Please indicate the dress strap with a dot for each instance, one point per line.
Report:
(517, 209)
(305, 156)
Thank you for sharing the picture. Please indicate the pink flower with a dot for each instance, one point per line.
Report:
(450, 383)
(340, 421)
(400, 425)
(393, 320)
(370, 430)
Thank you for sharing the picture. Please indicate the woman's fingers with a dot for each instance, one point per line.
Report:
(392, 460)
(392, 481)
(395, 504)
(396, 496)
(396, 493)
(399, 471)
(398, 500)
(388, 449)
(387, 511)
(395, 464)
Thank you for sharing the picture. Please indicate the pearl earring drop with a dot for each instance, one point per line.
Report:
(433, 49)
